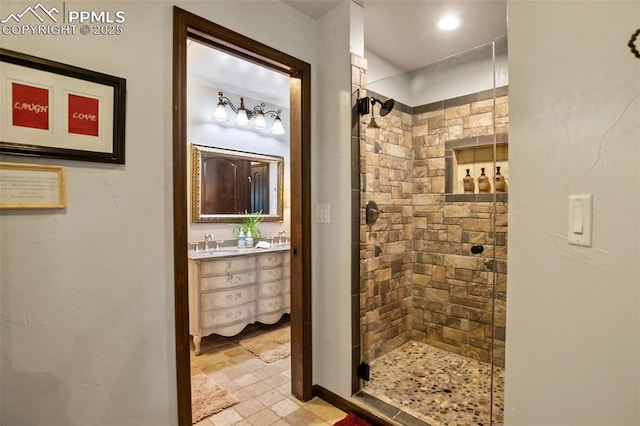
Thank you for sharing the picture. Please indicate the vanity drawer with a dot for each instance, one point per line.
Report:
(267, 260)
(272, 289)
(221, 317)
(227, 281)
(228, 298)
(272, 274)
(227, 265)
(273, 304)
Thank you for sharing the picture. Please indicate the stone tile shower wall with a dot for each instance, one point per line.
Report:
(418, 279)
(386, 248)
(453, 304)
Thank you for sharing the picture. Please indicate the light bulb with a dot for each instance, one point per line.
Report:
(260, 123)
(278, 128)
(242, 119)
(449, 22)
(221, 112)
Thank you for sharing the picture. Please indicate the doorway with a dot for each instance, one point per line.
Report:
(190, 26)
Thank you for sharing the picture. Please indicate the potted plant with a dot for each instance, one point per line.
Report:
(250, 224)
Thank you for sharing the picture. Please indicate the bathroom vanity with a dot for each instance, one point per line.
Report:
(230, 288)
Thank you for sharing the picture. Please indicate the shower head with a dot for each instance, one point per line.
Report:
(385, 107)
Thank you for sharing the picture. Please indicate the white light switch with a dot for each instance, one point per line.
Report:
(580, 215)
(578, 220)
(323, 213)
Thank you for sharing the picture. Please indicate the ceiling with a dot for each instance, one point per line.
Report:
(405, 33)
(237, 77)
(401, 31)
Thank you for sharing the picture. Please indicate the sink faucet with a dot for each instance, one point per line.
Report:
(282, 241)
(207, 238)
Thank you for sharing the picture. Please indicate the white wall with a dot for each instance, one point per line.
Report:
(87, 293)
(573, 325)
(379, 68)
(467, 72)
(331, 181)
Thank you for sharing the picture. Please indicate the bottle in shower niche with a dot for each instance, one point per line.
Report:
(468, 184)
(501, 183)
(484, 184)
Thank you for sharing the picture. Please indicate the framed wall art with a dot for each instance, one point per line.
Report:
(32, 186)
(50, 109)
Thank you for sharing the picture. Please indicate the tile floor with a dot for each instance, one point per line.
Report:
(434, 387)
(416, 384)
(264, 390)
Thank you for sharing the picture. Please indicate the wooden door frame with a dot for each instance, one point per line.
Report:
(189, 26)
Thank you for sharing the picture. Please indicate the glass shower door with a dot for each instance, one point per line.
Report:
(433, 266)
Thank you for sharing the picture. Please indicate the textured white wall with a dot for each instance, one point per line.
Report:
(331, 175)
(87, 323)
(573, 325)
(87, 293)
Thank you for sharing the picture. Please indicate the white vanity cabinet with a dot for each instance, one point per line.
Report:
(228, 292)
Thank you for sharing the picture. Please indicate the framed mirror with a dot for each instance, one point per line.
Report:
(226, 183)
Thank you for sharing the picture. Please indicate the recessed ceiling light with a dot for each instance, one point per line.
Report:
(449, 22)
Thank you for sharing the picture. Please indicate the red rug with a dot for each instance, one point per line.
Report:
(352, 420)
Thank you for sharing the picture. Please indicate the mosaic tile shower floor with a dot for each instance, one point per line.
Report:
(439, 388)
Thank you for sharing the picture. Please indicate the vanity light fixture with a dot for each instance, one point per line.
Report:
(244, 115)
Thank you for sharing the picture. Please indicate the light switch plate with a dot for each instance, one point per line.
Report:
(323, 213)
(580, 219)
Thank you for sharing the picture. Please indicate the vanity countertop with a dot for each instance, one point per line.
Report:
(233, 251)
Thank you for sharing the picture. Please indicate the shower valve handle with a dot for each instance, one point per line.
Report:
(372, 212)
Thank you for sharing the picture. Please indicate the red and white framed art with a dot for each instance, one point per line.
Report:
(51, 109)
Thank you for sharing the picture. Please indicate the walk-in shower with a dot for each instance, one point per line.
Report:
(432, 267)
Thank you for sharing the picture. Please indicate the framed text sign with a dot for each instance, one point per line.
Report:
(32, 186)
(50, 109)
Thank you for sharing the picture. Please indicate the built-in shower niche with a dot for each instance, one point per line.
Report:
(476, 155)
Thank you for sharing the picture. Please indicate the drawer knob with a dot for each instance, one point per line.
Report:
(273, 288)
(233, 315)
(234, 279)
(232, 297)
(274, 304)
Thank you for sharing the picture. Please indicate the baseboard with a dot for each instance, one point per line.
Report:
(349, 407)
